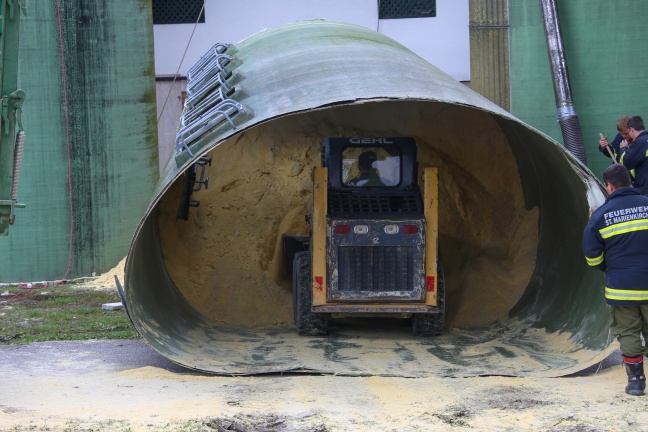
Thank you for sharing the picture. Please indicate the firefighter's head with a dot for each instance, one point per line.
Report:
(635, 127)
(616, 177)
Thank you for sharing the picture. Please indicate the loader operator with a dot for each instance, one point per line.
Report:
(368, 174)
(614, 241)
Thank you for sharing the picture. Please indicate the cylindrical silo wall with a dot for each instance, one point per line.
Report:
(90, 161)
(210, 291)
(605, 71)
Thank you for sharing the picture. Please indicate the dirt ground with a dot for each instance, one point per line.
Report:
(58, 394)
(105, 386)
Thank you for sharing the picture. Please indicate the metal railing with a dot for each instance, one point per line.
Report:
(209, 101)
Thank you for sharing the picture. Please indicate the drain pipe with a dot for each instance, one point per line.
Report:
(567, 117)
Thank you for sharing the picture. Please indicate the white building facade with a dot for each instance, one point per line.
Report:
(436, 30)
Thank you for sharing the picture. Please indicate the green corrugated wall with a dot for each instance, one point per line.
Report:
(604, 45)
(108, 86)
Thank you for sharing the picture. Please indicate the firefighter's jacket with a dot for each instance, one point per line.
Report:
(635, 159)
(616, 241)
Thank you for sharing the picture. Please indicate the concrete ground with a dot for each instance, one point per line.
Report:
(125, 385)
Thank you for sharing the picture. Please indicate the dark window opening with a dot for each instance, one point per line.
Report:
(393, 9)
(178, 12)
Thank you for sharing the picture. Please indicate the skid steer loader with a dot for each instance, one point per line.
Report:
(372, 248)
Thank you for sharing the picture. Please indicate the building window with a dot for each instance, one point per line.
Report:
(178, 12)
(391, 9)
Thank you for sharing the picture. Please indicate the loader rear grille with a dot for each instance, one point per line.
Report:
(345, 203)
(375, 268)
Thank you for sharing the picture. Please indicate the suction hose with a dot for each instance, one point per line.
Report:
(567, 117)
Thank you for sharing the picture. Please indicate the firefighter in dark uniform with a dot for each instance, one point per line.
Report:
(635, 156)
(616, 241)
(620, 141)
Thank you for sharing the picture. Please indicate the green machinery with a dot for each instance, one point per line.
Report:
(12, 136)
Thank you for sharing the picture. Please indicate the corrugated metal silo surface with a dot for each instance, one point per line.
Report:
(87, 69)
(605, 70)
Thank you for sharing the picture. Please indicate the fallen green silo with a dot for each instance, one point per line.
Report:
(209, 292)
(90, 158)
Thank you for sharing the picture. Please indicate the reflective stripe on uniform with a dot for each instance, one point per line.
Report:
(632, 171)
(617, 294)
(624, 227)
(593, 262)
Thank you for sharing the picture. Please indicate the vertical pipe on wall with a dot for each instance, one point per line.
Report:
(489, 50)
(567, 117)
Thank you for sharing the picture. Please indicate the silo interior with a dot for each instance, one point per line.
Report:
(508, 201)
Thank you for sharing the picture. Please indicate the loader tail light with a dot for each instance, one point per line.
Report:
(342, 229)
(410, 229)
(430, 283)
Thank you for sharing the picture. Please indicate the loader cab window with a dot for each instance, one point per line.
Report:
(371, 166)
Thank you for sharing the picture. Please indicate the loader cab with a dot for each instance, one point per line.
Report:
(391, 160)
(374, 177)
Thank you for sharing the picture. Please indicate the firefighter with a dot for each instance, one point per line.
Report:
(616, 241)
(635, 156)
(620, 142)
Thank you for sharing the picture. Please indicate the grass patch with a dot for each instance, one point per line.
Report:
(56, 313)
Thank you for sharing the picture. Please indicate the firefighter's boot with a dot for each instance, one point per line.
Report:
(636, 378)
